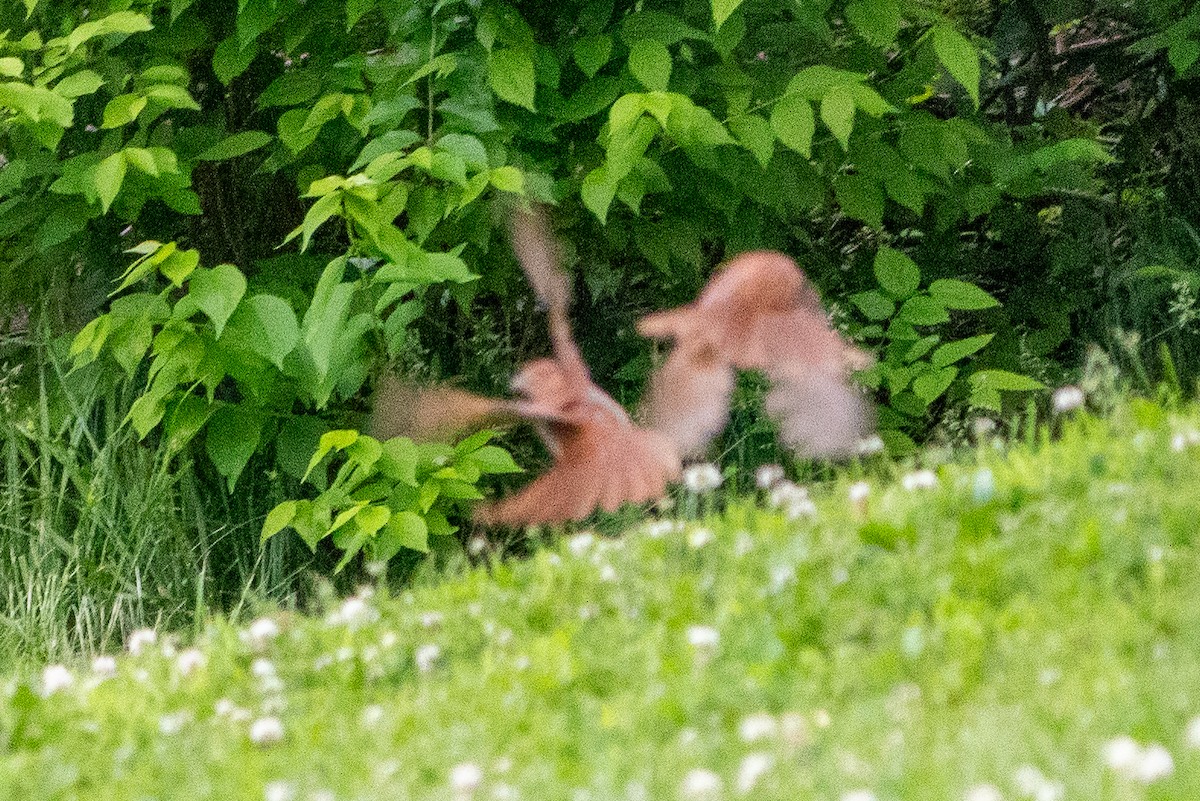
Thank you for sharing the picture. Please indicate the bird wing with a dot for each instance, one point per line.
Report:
(687, 400)
(541, 260)
(601, 464)
(819, 411)
(441, 412)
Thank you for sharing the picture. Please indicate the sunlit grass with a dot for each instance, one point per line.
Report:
(1011, 624)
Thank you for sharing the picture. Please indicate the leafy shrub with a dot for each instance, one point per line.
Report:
(390, 495)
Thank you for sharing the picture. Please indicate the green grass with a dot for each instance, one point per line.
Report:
(1004, 625)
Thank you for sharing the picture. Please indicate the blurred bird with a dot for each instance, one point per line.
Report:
(601, 458)
(758, 313)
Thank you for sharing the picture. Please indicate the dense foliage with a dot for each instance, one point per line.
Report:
(288, 198)
(1020, 623)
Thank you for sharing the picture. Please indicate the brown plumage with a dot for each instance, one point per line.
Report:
(758, 313)
(601, 458)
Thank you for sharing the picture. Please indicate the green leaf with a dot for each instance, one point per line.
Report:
(650, 63)
(339, 439)
(399, 461)
(922, 310)
(121, 22)
(592, 52)
(1003, 380)
(231, 438)
(755, 134)
(597, 193)
(874, 305)
(837, 112)
(961, 295)
(930, 386)
(179, 265)
(793, 121)
(275, 331)
(236, 145)
(172, 95)
(278, 519)
(960, 58)
(122, 110)
(877, 21)
(230, 60)
(508, 179)
(897, 273)
(108, 178)
(861, 198)
(217, 292)
(658, 25)
(510, 74)
(404, 530)
(370, 519)
(952, 352)
(491, 459)
(78, 84)
(723, 10)
(13, 67)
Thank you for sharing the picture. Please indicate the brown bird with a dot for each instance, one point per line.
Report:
(758, 313)
(601, 458)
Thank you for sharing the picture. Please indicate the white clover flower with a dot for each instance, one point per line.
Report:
(794, 729)
(322, 795)
(1185, 440)
(859, 795)
(589, 612)
(792, 500)
(702, 478)
(919, 480)
(372, 715)
(262, 668)
(1122, 754)
(822, 718)
(751, 769)
(768, 476)
(1067, 399)
(505, 792)
(104, 667)
(1154, 763)
(56, 678)
(354, 612)
(1033, 783)
(279, 791)
(869, 446)
(758, 726)
(466, 777)
(984, 792)
(189, 661)
(661, 528)
(224, 708)
(427, 656)
(141, 639)
(389, 640)
(982, 427)
(699, 537)
(1191, 734)
(700, 785)
(581, 543)
(170, 725)
(703, 637)
(608, 573)
(260, 633)
(858, 492)
(266, 731)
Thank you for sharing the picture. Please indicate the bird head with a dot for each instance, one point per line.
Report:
(542, 381)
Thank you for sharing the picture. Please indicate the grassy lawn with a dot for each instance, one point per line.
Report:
(1017, 623)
